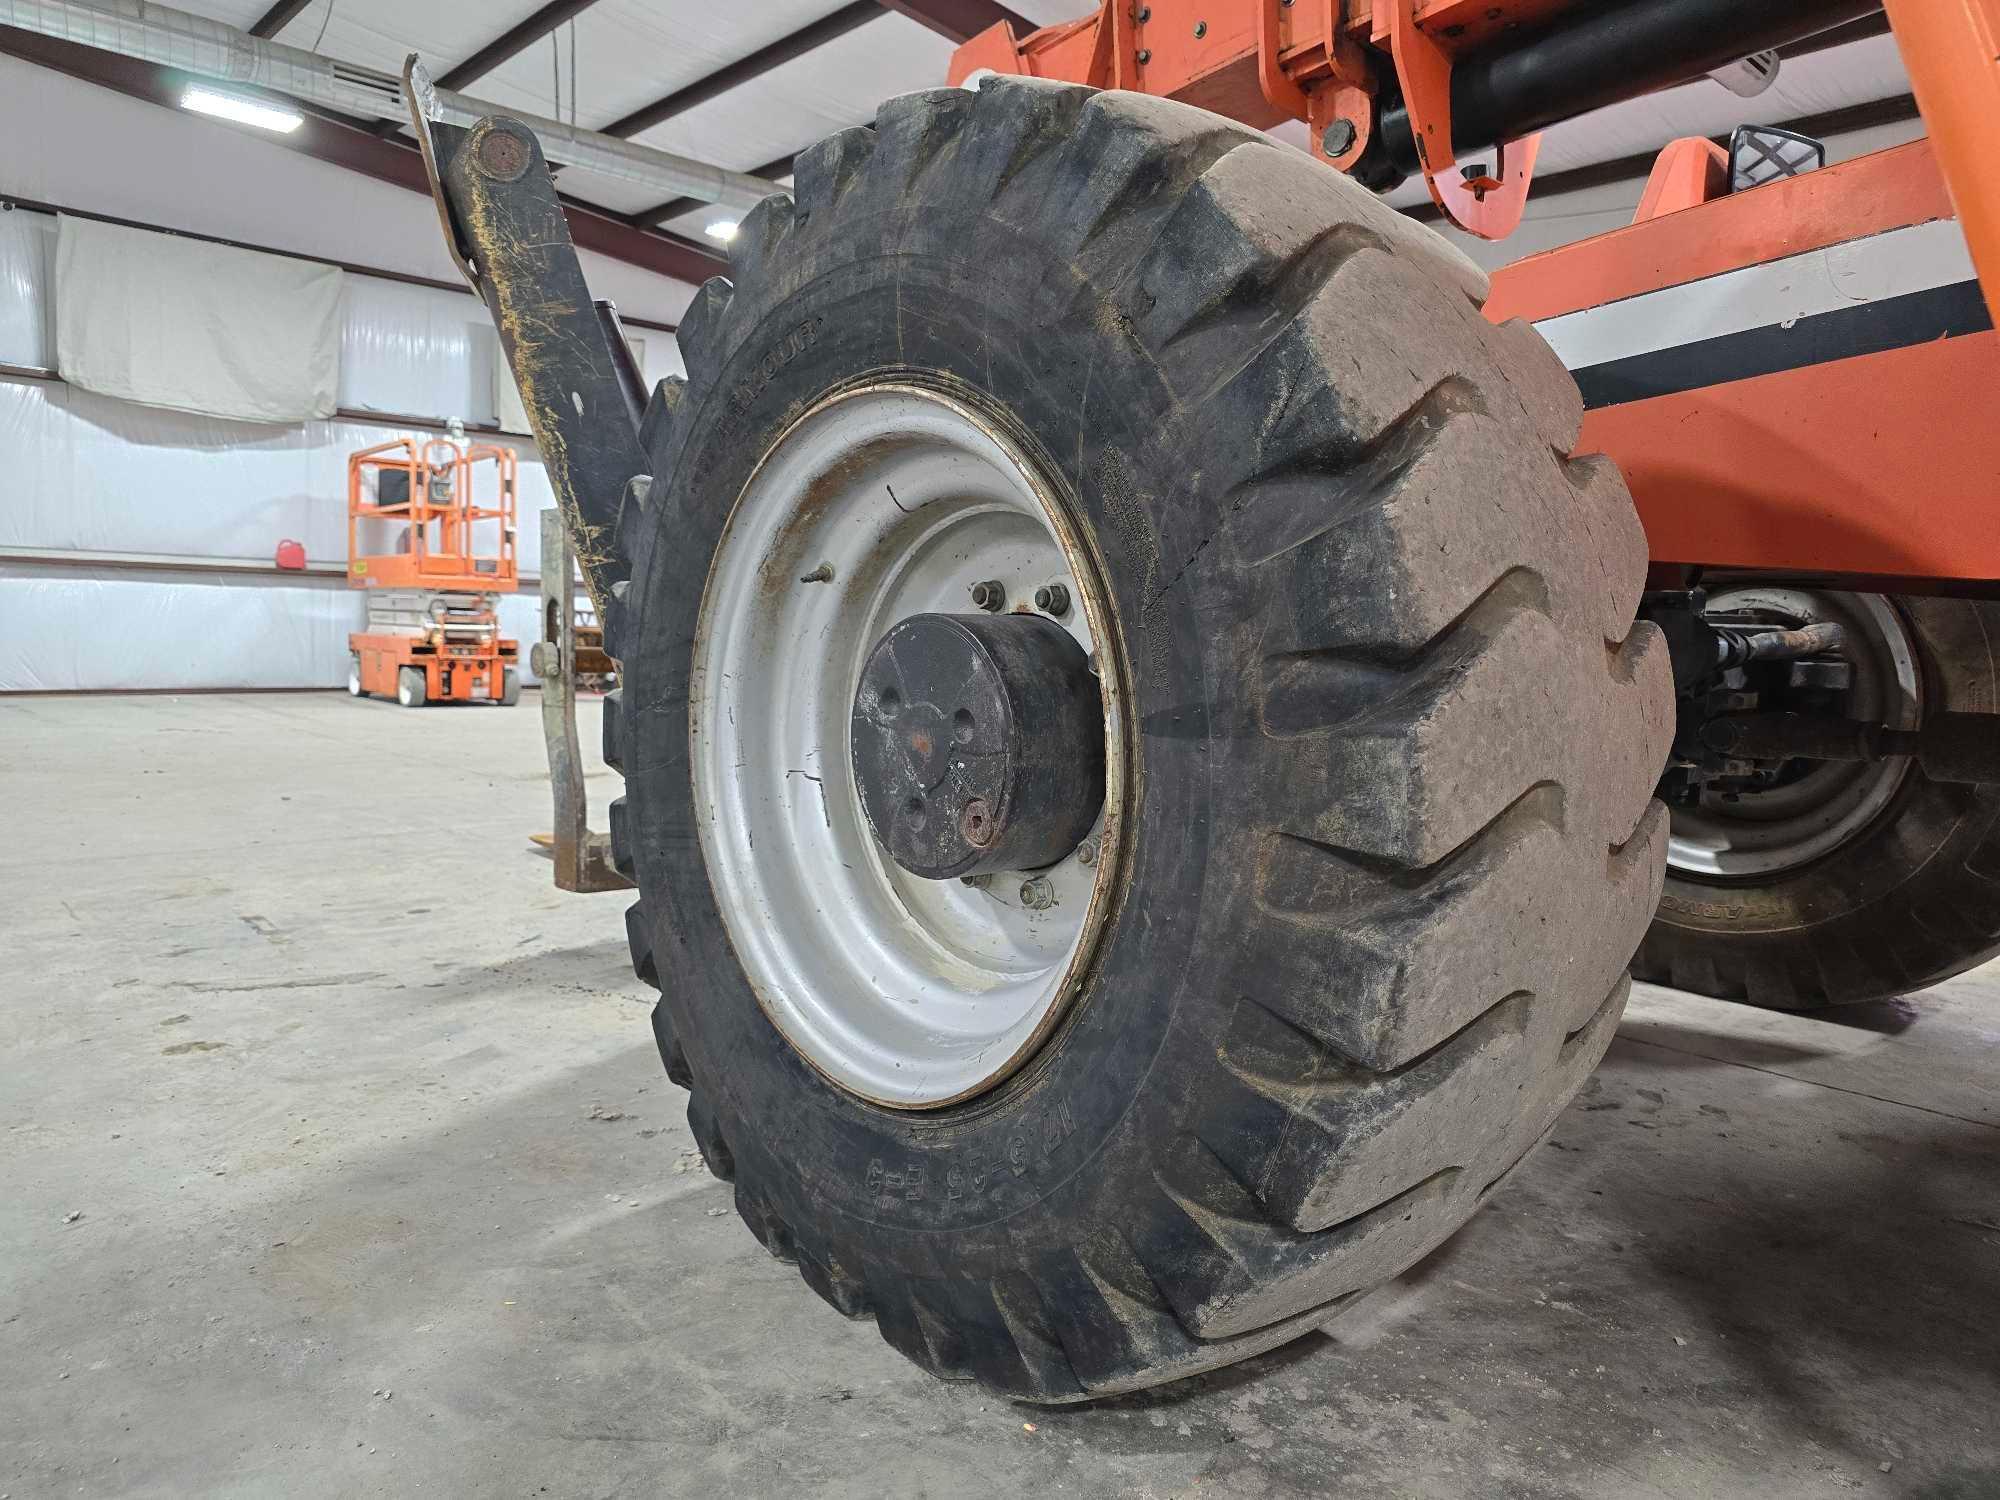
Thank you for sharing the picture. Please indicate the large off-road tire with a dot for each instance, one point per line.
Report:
(1910, 897)
(1387, 842)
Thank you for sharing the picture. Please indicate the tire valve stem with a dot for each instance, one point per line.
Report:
(821, 574)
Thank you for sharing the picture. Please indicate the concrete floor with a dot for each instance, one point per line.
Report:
(337, 1160)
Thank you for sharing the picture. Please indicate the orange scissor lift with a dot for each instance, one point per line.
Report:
(433, 632)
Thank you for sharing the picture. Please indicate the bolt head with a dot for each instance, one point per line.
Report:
(1200, 30)
(1145, 56)
(1037, 894)
(1052, 599)
(975, 823)
(1338, 138)
(990, 595)
(502, 155)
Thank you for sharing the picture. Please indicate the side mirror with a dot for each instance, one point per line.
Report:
(1763, 153)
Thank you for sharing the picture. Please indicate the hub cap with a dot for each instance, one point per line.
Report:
(925, 965)
(978, 744)
(1814, 807)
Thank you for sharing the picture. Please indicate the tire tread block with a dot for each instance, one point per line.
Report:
(1404, 766)
(1381, 981)
(1394, 1192)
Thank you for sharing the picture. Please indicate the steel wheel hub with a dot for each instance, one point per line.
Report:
(906, 777)
(978, 743)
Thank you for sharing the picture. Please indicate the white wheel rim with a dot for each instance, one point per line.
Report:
(1770, 833)
(908, 992)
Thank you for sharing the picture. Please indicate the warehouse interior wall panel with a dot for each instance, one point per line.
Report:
(416, 351)
(61, 633)
(27, 298)
(89, 473)
(139, 630)
(94, 486)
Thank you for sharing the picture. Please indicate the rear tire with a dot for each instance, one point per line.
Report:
(1909, 900)
(411, 688)
(1392, 844)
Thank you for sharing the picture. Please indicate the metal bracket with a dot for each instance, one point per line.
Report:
(1486, 203)
(507, 232)
(1329, 87)
(583, 858)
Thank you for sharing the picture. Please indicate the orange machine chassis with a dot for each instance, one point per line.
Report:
(1863, 450)
(440, 618)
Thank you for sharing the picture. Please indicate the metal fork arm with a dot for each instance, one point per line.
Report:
(578, 383)
(582, 858)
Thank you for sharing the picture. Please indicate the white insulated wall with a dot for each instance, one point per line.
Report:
(136, 543)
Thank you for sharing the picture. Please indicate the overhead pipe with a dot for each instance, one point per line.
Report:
(173, 38)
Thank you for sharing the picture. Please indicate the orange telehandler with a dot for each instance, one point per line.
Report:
(1158, 702)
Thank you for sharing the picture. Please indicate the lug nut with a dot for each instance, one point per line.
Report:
(1052, 599)
(1086, 852)
(975, 823)
(990, 595)
(977, 882)
(1037, 894)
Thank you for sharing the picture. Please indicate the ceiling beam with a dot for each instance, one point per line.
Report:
(960, 20)
(673, 208)
(278, 17)
(740, 72)
(344, 145)
(515, 40)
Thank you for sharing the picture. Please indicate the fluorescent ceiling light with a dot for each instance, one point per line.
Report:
(722, 229)
(242, 111)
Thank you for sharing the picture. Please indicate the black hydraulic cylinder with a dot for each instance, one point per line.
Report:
(1610, 54)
